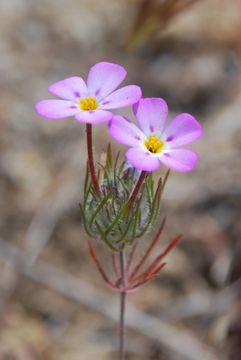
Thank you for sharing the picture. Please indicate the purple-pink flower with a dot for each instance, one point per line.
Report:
(90, 102)
(154, 144)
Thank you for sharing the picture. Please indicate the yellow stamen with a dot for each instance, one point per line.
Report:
(88, 103)
(154, 144)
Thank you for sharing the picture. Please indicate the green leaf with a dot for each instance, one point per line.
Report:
(104, 238)
(99, 208)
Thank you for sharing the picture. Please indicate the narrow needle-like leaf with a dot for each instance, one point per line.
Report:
(101, 270)
(148, 251)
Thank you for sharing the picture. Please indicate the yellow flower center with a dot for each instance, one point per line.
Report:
(154, 145)
(88, 103)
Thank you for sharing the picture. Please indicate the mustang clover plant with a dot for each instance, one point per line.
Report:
(121, 201)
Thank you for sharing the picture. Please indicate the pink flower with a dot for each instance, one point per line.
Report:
(153, 144)
(90, 102)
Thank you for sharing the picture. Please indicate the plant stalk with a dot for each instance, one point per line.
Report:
(122, 308)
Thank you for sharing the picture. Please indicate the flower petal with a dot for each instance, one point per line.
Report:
(182, 160)
(151, 114)
(71, 88)
(182, 130)
(56, 109)
(142, 159)
(125, 96)
(104, 78)
(94, 117)
(125, 132)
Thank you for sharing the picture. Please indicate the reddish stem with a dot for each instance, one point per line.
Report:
(136, 189)
(91, 159)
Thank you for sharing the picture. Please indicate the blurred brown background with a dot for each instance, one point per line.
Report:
(53, 304)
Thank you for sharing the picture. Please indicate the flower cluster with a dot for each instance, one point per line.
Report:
(151, 144)
(121, 201)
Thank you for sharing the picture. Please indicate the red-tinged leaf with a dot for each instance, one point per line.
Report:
(130, 258)
(149, 273)
(114, 265)
(99, 267)
(156, 263)
(144, 280)
(148, 251)
(160, 257)
(156, 270)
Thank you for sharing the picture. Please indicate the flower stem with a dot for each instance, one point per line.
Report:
(136, 189)
(122, 308)
(91, 159)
